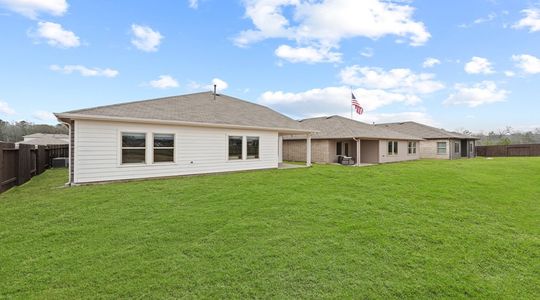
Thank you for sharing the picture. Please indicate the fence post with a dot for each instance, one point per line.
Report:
(2, 170)
(25, 166)
(41, 159)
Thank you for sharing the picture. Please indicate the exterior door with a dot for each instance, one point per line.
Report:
(346, 149)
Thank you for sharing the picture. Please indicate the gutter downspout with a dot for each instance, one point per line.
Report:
(69, 153)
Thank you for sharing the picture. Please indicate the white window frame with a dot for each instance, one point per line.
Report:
(258, 147)
(395, 148)
(458, 144)
(121, 148)
(412, 146)
(164, 148)
(445, 148)
(244, 150)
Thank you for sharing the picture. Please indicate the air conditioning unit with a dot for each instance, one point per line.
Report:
(60, 162)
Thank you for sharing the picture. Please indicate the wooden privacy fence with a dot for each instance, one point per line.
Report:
(508, 150)
(18, 165)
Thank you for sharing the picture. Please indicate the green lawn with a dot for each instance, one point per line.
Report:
(425, 229)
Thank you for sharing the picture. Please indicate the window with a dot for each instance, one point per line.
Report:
(252, 147)
(412, 147)
(235, 147)
(456, 147)
(163, 148)
(392, 148)
(441, 147)
(133, 148)
(338, 148)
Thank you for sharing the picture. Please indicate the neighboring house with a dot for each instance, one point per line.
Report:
(341, 136)
(182, 135)
(438, 143)
(45, 139)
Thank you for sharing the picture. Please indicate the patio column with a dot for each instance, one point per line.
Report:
(358, 152)
(308, 150)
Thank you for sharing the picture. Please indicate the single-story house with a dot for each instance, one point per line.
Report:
(338, 136)
(181, 135)
(437, 143)
(44, 139)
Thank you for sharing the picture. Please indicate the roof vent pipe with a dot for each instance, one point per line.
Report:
(215, 90)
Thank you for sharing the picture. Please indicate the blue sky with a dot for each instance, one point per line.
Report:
(455, 64)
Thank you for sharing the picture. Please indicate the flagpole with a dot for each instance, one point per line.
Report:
(351, 105)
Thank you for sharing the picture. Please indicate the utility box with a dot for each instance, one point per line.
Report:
(60, 162)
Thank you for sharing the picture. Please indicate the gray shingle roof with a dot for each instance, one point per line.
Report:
(52, 135)
(336, 127)
(45, 140)
(424, 131)
(194, 108)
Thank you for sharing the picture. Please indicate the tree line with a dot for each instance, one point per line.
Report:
(14, 131)
(508, 136)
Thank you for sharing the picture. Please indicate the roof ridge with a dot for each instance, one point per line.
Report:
(134, 102)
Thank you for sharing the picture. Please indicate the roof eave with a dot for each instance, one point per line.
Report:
(360, 137)
(68, 116)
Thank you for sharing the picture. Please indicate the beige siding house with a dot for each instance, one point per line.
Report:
(338, 136)
(437, 143)
(181, 135)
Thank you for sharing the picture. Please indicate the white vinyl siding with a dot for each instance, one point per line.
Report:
(197, 150)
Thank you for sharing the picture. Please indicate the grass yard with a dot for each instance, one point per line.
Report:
(425, 229)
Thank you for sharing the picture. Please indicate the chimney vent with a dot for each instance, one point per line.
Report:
(215, 91)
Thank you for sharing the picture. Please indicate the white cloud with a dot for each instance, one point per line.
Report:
(56, 35)
(397, 80)
(367, 52)
(430, 62)
(307, 54)
(194, 4)
(311, 25)
(531, 20)
(331, 100)
(145, 38)
(509, 73)
(32, 8)
(485, 92)
(479, 65)
(6, 109)
(44, 116)
(164, 82)
(84, 71)
(528, 63)
(489, 18)
(492, 16)
(221, 85)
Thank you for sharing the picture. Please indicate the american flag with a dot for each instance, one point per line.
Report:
(359, 110)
